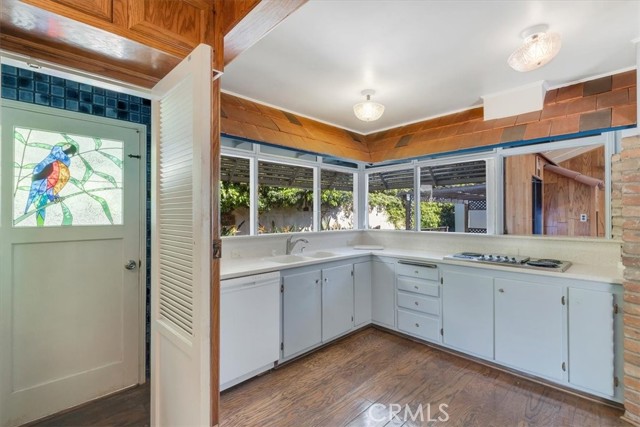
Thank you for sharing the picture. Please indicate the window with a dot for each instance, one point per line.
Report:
(62, 179)
(336, 200)
(235, 174)
(556, 192)
(285, 198)
(391, 200)
(453, 197)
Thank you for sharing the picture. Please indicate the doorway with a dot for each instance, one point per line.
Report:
(71, 259)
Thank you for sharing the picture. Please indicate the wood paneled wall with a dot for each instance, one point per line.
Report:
(565, 199)
(518, 172)
(247, 119)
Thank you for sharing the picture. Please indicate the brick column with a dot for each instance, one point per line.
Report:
(630, 192)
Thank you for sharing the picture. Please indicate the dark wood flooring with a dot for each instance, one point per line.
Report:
(354, 383)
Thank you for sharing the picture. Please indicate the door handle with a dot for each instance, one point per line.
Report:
(131, 265)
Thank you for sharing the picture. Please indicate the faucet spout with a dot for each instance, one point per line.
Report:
(292, 244)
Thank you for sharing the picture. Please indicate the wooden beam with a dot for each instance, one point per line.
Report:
(234, 11)
(258, 22)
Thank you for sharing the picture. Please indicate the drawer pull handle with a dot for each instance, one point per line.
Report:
(417, 325)
(417, 303)
(417, 264)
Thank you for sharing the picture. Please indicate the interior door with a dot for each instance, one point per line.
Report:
(69, 222)
(181, 226)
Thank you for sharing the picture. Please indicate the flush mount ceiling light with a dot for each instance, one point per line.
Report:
(368, 110)
(539, 48)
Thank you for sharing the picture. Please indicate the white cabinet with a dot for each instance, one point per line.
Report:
(418, 299)
(383, 305)
(529, 326)
(337, 301)
(249, 327)
(467, 309)
(362, 290)
(302, 312)
(591, 340)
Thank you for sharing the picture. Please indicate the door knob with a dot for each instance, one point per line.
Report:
(131, 265)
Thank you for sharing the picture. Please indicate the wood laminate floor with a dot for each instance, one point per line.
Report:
(353, 383)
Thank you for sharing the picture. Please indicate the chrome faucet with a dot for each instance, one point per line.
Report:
(292, 244)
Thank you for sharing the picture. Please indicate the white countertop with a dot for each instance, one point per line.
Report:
(238, 267)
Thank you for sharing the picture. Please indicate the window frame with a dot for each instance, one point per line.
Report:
(255, 156)
(494, 166)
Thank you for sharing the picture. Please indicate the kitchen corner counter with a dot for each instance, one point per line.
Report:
(238, 267)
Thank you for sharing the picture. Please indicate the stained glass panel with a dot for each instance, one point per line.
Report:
(63, 179)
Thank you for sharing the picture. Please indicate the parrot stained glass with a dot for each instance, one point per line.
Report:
(62, 179)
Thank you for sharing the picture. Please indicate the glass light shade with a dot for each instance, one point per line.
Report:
(537, 50)
(368, 111)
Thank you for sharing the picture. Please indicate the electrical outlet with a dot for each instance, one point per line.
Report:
(584, 218)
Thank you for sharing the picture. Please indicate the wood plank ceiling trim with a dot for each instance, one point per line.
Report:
(604, 103)
(259, 17)
(246, 119)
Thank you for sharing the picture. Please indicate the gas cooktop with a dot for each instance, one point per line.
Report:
(513, 261)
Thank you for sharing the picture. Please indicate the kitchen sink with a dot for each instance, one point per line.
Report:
(320, 254)
(287, 259)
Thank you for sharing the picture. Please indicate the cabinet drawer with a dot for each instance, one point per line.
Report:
(421, 303)
(419, 286)
(425, 271)
(423, 326)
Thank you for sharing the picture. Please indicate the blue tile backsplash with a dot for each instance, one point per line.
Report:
(37, 88)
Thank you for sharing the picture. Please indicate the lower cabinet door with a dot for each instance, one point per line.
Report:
(426, 327)
(383, 293)
(591, 340)
(301, 312)
(362, 291)
(467, 311)
(337, 301)
(529, 327)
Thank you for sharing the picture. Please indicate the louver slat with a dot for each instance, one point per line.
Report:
(175, 212)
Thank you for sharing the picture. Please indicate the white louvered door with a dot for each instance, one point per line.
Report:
(181, 221)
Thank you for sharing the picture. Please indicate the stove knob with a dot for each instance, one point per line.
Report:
(513, 260)
(490, 257)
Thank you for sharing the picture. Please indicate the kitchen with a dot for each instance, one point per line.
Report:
(287, 295)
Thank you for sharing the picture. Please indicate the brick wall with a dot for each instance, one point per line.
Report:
(616, 196)
(630, 193)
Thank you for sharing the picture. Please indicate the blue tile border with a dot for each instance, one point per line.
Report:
(37, 88)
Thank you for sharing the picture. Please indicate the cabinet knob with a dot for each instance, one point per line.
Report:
(416, 271)
(501, 290)
(416, 303)
(417, 325)
(416, 287)
(317, 281)
(326, 280)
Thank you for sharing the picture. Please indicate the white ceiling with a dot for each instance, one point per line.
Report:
(423, 58)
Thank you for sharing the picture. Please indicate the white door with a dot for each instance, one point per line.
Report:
(467, 311)
(362, 292)
(383, 294)
(181, 230)
(337, 301)
(301, 311)
(529, 327)
(70, 221)
(591, 340)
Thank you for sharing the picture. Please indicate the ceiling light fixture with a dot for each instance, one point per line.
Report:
(538, 49)
(368, 110)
